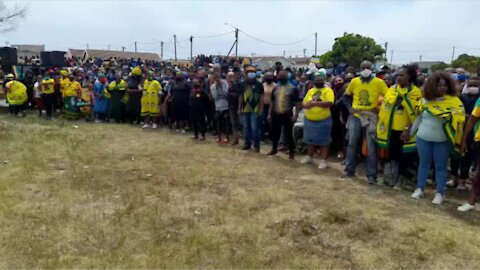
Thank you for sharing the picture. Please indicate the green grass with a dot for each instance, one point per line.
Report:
(114, 196)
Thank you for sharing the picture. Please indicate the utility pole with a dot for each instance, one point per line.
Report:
(191, 48)
(88, 46)
(453, 54)
(391, 57)
(175, 46)
(283, 53)
(304, 53)
(123, 48)
(161, 50)
(236, 42)
(420, 58)
(386, 50)
(135, 46)
(315, 43)
(109, 47)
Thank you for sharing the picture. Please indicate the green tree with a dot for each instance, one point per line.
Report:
(469, 62)
(440, 66)
(353, 49)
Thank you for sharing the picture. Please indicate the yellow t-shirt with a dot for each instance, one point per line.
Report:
(365, 95)
(63, 84)
(476, 113)
(71, 89)
(48, 86)
(315, 94)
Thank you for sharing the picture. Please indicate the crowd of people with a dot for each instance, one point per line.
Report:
(395, 119)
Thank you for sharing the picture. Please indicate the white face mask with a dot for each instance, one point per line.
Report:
(366, 73)
(472, 90)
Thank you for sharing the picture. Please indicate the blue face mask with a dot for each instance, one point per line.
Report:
(289, 76)
(251, 75)
(259, 74)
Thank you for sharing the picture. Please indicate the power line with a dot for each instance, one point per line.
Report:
(276, 44)
(216, 35)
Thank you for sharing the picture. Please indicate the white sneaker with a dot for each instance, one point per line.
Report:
(183, 131)
(323, 164)
(466, 207)
(154, 126)
(177, 131)
(438, 199)
(307, 160)
(146, 126)
(417, 194)
(461, 187)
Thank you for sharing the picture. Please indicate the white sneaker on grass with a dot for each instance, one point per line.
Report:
(307, 160)
(146, 126)
(154, 126)
(323, 164)
(466, 207)
(438, 199)
(417, 194)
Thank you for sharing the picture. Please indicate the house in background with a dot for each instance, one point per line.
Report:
(105, 54)
(267, 62)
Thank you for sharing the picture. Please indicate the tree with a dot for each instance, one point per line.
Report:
(469, 62)
(353, 49)
(439, 66)
(9, 17)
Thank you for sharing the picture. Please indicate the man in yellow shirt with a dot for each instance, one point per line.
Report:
(48, 94)
(364, 92)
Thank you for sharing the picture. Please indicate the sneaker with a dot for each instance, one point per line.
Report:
(346, 175)
(323, 164)
(307, 160)
(417, 194)
(154, 126)
(466, 207)
(438, 199)
(183, 131)
(146, 126)
(372, 181)
(177, 131)
(272, 153)
(451, 183)
(225, 140)
(202, 138)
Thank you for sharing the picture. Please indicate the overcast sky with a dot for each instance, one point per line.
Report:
(411, 28)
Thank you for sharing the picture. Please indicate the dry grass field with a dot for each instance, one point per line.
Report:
(115, 196)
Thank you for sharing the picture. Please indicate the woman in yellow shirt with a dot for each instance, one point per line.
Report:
(318, 122)
(72, 93)
(152, 90)
(396, 116)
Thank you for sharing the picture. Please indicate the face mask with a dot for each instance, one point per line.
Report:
(366, 73)
(473, 90)
(319, 85)
(251, 75)
(289, 75)
(259, 74)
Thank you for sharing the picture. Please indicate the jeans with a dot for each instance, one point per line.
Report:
(438, 152)
(354, 133)
(234, 122)
(251, 131)
(264, 126)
